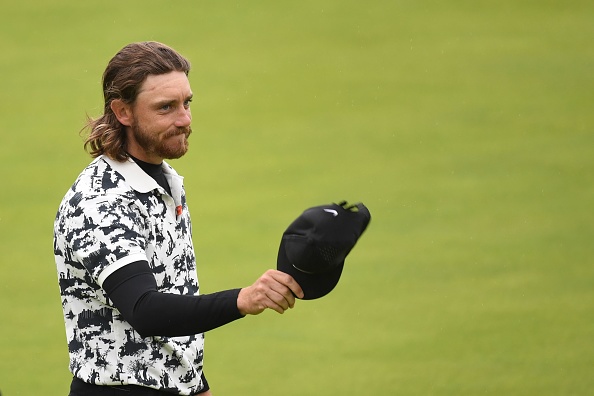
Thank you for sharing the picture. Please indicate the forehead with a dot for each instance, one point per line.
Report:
(171, 85)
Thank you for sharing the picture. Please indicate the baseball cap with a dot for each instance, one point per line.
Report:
(314, 247)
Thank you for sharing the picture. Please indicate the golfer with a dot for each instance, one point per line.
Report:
(134, 318)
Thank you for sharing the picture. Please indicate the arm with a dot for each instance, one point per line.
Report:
(133, 291)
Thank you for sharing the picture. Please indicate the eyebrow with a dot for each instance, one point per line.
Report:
(164, 102)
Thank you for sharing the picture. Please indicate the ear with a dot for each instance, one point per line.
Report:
(122, 111)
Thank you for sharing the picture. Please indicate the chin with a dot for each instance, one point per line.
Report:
(177, 153)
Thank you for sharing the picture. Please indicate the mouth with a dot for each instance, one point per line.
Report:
(181, 131)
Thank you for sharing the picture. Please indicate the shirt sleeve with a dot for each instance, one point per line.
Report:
(105, 233)
(132, 289)
(205, 386)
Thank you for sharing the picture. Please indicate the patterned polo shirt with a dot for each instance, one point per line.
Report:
(115, 214)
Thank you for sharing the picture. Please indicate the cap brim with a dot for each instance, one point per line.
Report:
(313, 285)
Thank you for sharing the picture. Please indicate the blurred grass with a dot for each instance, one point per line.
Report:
(465, 127)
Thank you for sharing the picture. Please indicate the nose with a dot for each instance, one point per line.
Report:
(184, 118)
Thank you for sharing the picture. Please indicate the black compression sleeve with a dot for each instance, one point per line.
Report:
(133, 291)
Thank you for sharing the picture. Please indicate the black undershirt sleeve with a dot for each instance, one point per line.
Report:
(132, 289)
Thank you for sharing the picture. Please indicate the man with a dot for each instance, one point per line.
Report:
(134, 318)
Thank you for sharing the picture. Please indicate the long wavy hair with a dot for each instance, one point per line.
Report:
(122, 79)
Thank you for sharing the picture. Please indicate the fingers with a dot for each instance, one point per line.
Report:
(273, 290)
(278, 302)
(288, 281)
(278, 295)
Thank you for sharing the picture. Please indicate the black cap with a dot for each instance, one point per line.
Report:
(315, 245)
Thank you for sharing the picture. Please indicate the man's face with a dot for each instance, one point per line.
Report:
(161, 118)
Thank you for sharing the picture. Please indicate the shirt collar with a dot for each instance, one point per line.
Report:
(138, 179)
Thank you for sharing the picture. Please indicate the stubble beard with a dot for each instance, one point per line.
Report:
(161, 144)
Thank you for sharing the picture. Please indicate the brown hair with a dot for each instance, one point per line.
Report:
(122, 79)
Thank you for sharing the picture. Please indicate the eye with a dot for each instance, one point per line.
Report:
(187, 103)
(166, 107)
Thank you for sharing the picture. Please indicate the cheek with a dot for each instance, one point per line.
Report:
(156, 125)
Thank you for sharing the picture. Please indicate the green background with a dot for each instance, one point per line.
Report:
(466, 127)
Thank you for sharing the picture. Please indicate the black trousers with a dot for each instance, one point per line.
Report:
(80, 388)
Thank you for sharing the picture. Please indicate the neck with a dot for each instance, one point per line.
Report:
(144, 162)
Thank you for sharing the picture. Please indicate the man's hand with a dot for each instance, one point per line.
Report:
(275, 290)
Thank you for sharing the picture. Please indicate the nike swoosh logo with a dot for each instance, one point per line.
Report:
(334, 213)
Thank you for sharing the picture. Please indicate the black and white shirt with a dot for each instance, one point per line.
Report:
(114, 215)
